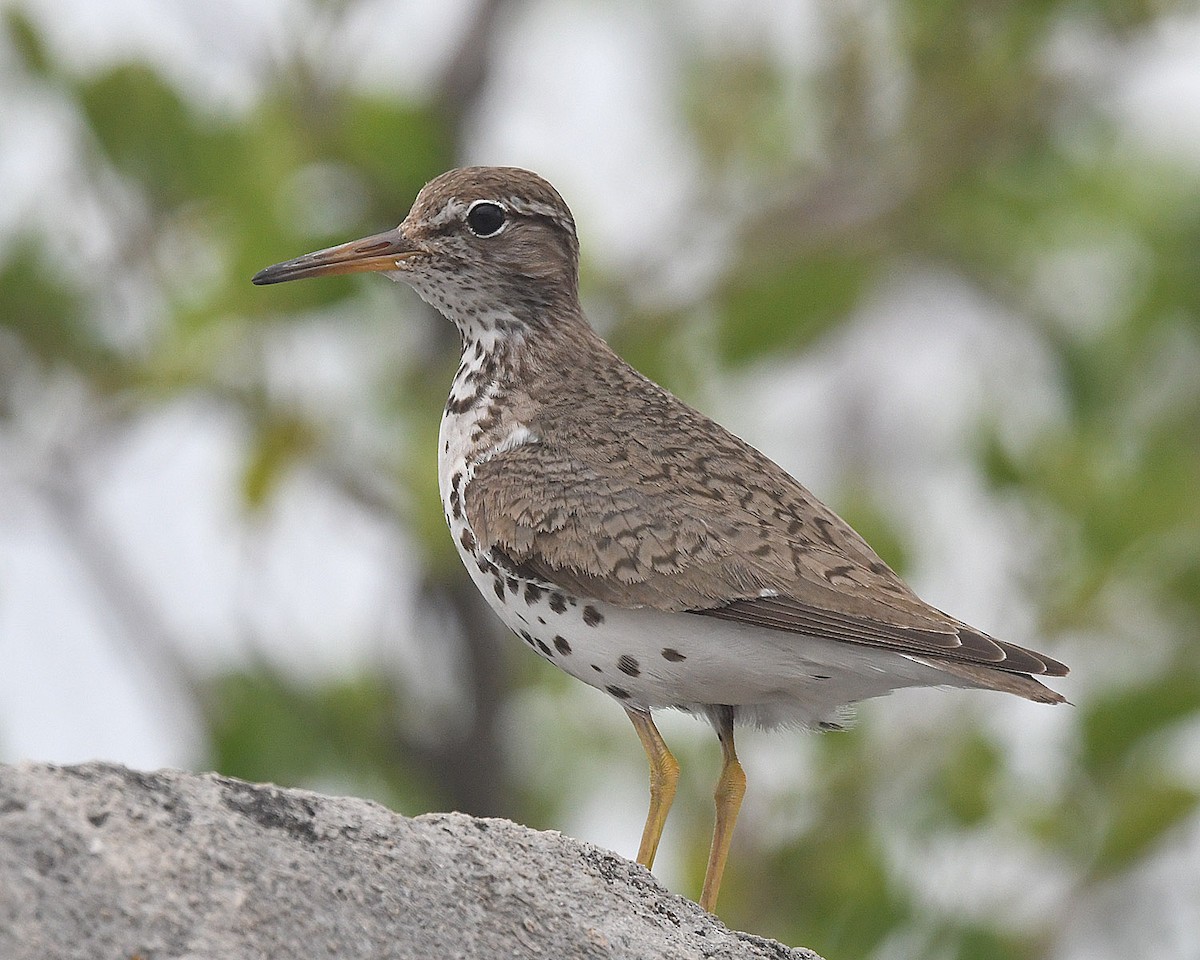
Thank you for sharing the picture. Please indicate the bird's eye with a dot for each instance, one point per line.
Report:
(485, 218)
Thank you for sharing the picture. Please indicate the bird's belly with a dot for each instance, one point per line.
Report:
(655, 659)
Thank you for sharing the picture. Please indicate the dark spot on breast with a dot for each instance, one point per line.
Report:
(498, 586)
(545, 649)
(617, 692)
(533, 593)
(558, 603)
(819, 676)
(514, 584)
(561, 645)
(488, 422)
(484, 564)
(670, 653)
(596, 668)
(456, 405)
(467, 539)
(592, 616)
(628, 665)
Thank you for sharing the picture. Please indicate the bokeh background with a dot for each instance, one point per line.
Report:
(939, 258)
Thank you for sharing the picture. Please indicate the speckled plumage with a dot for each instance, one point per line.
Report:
(627, 537)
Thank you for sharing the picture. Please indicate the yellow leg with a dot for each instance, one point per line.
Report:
(664, 774)
(731, 787)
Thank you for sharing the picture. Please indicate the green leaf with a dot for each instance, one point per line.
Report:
(965, 785)
(282, 441)
(1143, 810)
(397, 146)
(27, 43)
(789, 306)
(47, 315)
(151, 134)
(1118, 725)
(266, 728)
(984, 943)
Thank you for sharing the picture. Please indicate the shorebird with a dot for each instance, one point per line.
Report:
(626, 537)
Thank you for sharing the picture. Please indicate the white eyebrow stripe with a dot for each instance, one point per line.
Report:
(535, 208)
(453, 210)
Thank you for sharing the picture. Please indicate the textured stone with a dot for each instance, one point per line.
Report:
(101, 861)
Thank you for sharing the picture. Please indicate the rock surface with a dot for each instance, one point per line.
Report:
(101, 861)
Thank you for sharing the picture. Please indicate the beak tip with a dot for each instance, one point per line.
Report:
(382, 252)
(265, 276)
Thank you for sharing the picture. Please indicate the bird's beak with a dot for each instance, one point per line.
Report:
(383, 251)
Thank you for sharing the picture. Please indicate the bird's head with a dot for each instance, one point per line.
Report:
(481, 244)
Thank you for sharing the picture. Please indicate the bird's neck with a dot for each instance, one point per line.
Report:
(507, 334)
(506, 358)
(494, 310)
(489, 355)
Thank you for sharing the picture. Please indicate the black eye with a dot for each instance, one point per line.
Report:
(485, 218)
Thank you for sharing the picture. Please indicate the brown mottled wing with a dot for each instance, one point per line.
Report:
(709, 535)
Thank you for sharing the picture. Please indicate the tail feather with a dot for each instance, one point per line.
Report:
(989, 678)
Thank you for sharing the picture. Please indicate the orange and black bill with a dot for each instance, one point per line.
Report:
(383, 251)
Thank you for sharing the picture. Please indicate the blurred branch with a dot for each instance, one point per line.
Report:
(463, 78)
(469, 763)
(140, 625)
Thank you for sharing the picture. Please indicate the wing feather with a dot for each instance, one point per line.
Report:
(633, 498)
(778, 559)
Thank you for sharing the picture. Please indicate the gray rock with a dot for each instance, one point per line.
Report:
(98, 861)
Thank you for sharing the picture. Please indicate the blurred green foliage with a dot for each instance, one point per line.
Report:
(814, 292)
(989, 164)
(267, 728)
(39, 308)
